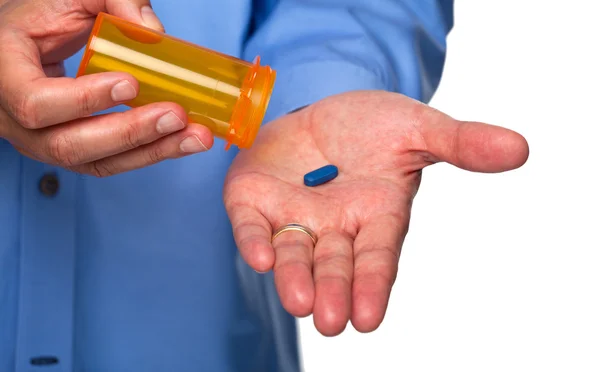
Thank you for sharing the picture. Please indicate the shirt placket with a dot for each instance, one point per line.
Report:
(47, 268)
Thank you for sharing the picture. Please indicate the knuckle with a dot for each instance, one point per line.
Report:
(378, 252)
(376, 264)
(101, 169)
(87, 102)
(343, 276)
(25, 112)
(387, 279)
(284, 264)
(251, 243)
(155, 154)
(333, 258)
(131, 135)
(62, 150)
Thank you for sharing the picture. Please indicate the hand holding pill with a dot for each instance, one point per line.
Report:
(357, 209)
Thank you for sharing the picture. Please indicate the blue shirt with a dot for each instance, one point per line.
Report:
(139, 272)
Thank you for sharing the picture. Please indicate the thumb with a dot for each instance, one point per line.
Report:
(137, 11)
(473, 146)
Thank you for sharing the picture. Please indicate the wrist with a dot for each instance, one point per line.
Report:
(302, 85)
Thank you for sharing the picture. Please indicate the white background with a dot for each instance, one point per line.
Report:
(501, 272)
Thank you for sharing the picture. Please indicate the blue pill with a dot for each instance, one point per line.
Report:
(321, 175)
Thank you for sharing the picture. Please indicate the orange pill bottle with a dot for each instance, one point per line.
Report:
(223, 93)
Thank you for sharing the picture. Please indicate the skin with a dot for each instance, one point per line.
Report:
(46, 116)
(380, 142)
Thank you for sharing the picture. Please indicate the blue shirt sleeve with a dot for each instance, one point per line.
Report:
(325, 47)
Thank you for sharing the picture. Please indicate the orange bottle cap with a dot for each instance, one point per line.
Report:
(251, 106)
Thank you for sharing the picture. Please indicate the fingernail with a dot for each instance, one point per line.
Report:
(150, 19)
(123, 91)
(169, 123)
(192, 144)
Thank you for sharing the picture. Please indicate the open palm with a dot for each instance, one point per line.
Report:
(380, 142)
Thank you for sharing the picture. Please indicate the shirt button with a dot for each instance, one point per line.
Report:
(49, 185)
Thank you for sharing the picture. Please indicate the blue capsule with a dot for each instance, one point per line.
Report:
(321, 175)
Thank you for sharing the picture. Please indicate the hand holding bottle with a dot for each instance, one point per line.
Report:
(47, 116)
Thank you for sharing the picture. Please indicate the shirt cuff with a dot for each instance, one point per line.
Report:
(308, 83)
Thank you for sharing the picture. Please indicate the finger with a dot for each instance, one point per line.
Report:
(333, 271)
(252, 234)
(54, 69)
(471, 145)
(94, 138)
(189, 141)
(376, 253)
(6, 128)
(36, 101)
(137, 11)
(293, 272)
(27, 153)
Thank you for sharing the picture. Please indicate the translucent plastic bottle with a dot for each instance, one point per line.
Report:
(226, 94)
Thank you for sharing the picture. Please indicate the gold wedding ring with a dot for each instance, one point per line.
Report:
(295, 227)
